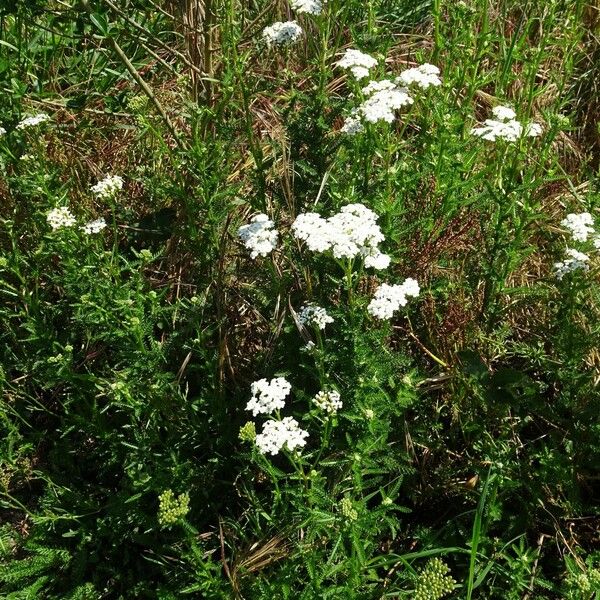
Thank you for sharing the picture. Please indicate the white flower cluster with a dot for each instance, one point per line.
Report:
(423, 76)
(328, 401)
(108, 187)
(268, 396)
(576, 261)
(32, 121)
(350, 233)
(2, 131)
(389, 298)
(580, 225)
(277, 434)
(282, 34)
(382, 98)
(311, 7)
(60, 217)
(358, 62)
(259, 236)
(311, 314)
(95, 226)
(505, 126)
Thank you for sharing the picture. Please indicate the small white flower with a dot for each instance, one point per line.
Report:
(424, 76)
(268, 396)
(108, 187)
(278, 434)
(389, 298)
(311, 7)
(27, 157)
(533, 129)
(576, 261)
(282, 33)
(580, 225)
(378, 86)
(375, 259)
(32, 121)
(357, 62)
(259, 236)
(311, 314)
(60, 217)
(2, 131)
(505, 126)
(328, 401)
(380, 106)
(94, 226)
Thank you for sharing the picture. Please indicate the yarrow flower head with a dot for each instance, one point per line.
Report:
(259, 236)
(357, 62)
(580, 225)
(352, 124)
(505, 126)
(434, 581)
(350, 233)
(95, 226)
(311, 314)
(268, 396)
(389, 298)
(60, 217)
(311, 7)
(575, 261)
(423, 76)
(32, 121)
(2, 131)
(328, 401)
(282, 33)
(108, 187)
(171, 509)
(381, 104)
(276, 435)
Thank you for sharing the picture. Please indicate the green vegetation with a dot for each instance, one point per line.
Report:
(206, 393)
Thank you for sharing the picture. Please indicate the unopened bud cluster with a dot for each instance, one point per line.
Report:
(172, 509)
(434, 581)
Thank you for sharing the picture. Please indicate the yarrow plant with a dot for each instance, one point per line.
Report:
(350, 233)
(259, 236)
(389, 298)
(282, 33)
(108, 187)
(504, 126)
(328, 401)
(357, 62)
(311, 314)
(276, 435)
(32, 121)
(268, 396)
(423, 76)
(311, 7)
(60, 217)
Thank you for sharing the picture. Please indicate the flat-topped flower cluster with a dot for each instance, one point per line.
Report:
(350, 233)
(282, 34)
(581, 228)
(259, 236)
(504, 126)
(389, 298)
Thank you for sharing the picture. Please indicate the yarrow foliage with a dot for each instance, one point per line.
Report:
(259, 236)
(108, 187)
(357, 62)
(282, 33)
(276, 435)
(312, 314)
(268, 396)
(60, 217)
(350, 233)
(389, 298)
